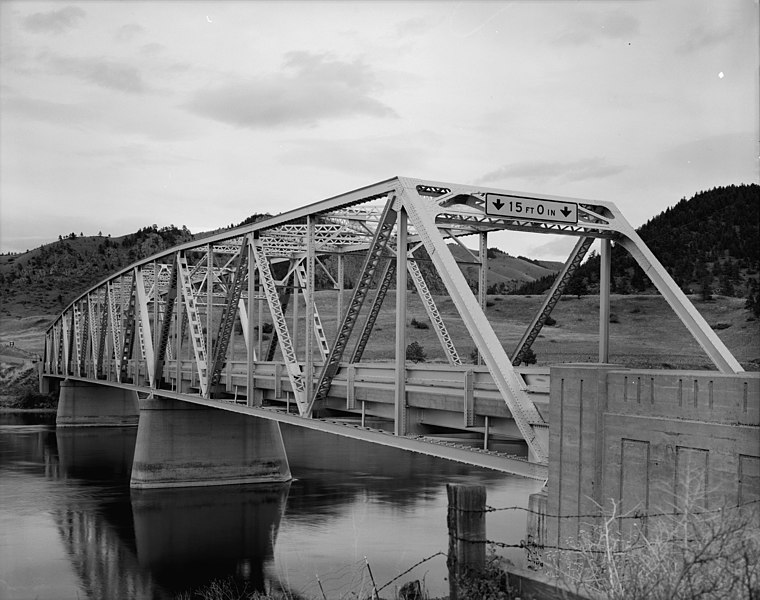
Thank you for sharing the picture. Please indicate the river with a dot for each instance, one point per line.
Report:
(71, 528)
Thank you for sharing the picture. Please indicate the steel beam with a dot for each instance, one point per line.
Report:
(699, 328)
(238, 278)
(275, 308)
(146, 337)
(433, 314)
(605, 271)
(374, 311)
(551, 298)
(372, 259)
(510, 384)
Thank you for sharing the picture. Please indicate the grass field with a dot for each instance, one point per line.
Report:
(644, 331)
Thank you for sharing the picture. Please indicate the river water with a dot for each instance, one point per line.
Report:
(355, 514)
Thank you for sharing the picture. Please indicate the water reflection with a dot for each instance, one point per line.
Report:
(69, 526)
(189, 536)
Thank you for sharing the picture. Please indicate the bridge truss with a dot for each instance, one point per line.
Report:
(273, 282)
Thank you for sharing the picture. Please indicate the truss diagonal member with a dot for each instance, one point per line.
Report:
(146, 339)
(130, 326)
(239, 277)
(319, 331)
(284, 300)
(194, 320)
(243, 312)
(551, 298)
(374, 311)
(166, 323)
(432, 311)
(102, 336)
(374, 255)
(510, 384)
(699, 328)
(275, 308)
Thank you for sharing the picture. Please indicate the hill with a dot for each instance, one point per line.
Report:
(710, 244)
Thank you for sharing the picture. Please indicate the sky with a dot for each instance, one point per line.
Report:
(117, 115)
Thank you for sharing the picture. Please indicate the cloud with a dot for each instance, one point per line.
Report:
(578, 170)
(314, 88)
(104, 73)
(590, 27)
(46, 111)
(375, 157)
(700, 37)
(127, 32)
(57, 21)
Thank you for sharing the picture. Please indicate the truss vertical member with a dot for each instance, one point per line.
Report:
(239, 277)
(275, 308)
(374, 311)
(432, 311)
(551, 299)
(166, 323)
(102, 337)
(115, 327)
(374, 254)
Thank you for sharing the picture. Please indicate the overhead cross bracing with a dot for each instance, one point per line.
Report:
(305, 289)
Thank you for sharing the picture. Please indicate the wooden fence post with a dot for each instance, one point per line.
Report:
(466, 521)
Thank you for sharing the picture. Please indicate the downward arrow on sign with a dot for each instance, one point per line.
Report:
(497, 204)
(565, 211)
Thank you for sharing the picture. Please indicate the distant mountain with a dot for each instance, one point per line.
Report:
(46, 279)
(505, 272)
(710, 244)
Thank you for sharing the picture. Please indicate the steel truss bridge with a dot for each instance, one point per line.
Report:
(170, 325)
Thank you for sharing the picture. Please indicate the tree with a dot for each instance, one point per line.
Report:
(576, 287)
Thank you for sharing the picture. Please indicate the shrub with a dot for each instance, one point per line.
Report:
(415, 353)
(419, 324)
(267, 328)
(693, 553)
(529, 357)
(550, 322)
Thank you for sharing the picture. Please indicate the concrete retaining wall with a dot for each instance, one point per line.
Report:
(646, 440)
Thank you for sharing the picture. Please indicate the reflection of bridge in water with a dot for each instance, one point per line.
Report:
(187, 329)
(167, 540)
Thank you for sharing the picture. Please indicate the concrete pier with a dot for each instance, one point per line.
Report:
(81, 404)
(180, 444)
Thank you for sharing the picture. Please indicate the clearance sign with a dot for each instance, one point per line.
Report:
(531, 209)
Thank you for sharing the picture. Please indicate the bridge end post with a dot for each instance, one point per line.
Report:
(180, 444)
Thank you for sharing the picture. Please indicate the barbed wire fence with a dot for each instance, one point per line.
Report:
(356, 580)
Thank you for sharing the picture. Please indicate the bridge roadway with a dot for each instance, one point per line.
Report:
(165, 327)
